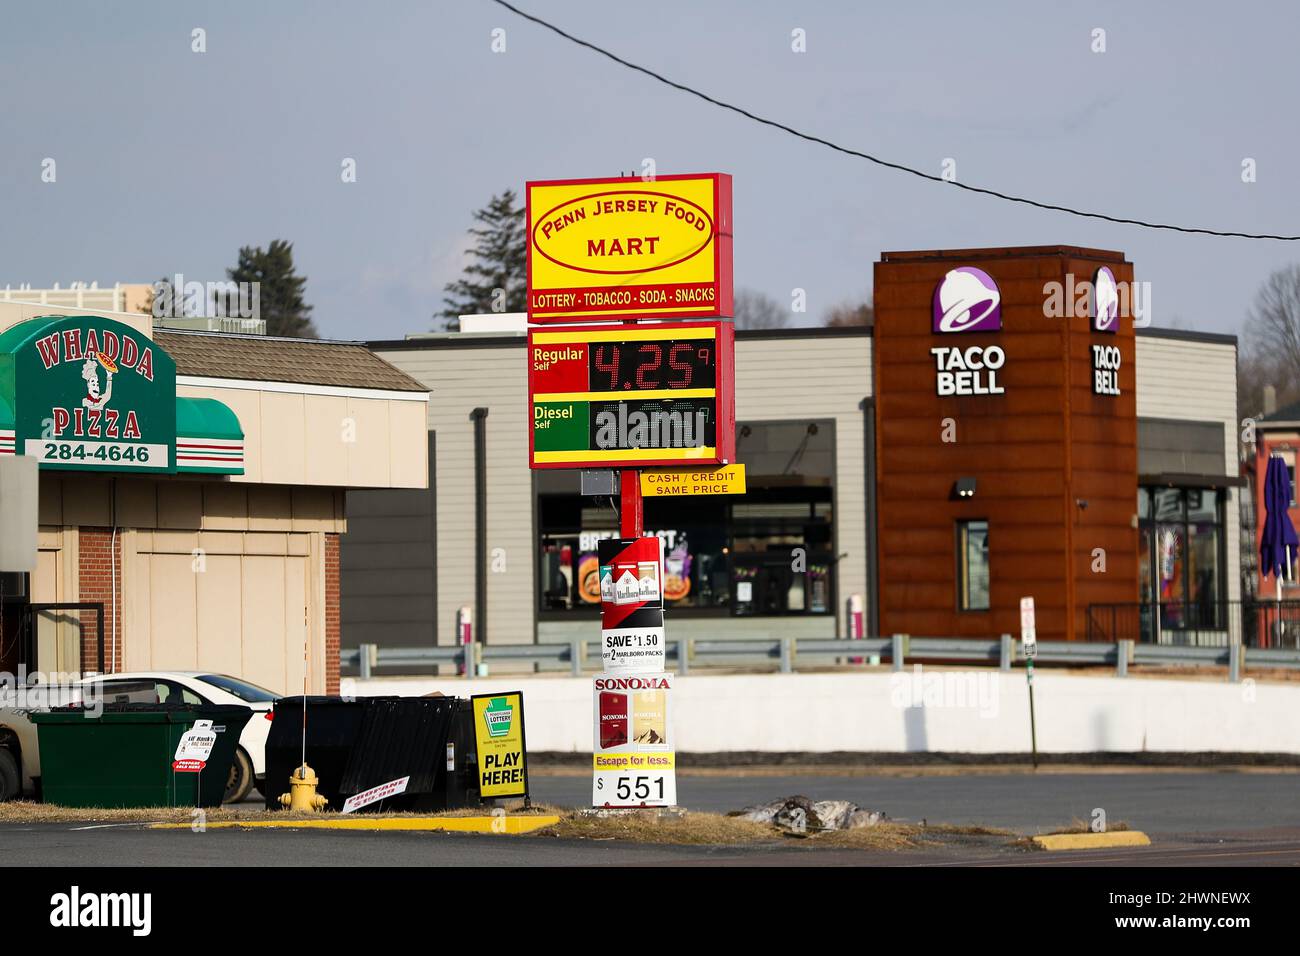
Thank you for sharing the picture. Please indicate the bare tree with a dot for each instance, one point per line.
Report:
(848, 314)
(1270, 352)
(754, 310)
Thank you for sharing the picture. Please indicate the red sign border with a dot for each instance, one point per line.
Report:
(722, 252)
(724, 398)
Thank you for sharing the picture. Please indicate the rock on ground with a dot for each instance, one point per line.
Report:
(798, 813)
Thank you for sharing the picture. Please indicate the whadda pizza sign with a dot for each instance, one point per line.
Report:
(89, 393)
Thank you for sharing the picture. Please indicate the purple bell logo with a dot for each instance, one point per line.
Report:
(967, 300)
(1105, 301)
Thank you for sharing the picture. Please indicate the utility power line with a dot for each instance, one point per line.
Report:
(900, 167)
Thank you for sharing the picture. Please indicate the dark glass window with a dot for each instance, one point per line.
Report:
(973, 565)
(1181, 549)
(767, 552)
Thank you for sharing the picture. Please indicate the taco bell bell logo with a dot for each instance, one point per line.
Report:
(1105, 301)
(967, 300)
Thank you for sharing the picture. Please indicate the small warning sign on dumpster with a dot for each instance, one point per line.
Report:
(499, 735)
(194, 748)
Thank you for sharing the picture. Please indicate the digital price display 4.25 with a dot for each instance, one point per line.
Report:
(632, 397)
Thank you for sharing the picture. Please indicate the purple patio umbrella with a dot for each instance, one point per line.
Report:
(1278, 542)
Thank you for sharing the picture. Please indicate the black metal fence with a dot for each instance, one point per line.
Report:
(1255, 623)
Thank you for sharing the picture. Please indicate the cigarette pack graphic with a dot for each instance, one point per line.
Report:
(649, 722)
(613, 719)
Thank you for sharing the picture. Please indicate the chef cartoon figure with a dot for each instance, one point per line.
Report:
(90, 372)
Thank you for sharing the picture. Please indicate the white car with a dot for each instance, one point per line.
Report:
(201, 687)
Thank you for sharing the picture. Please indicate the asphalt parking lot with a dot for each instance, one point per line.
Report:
(1155, 801)
(1195, 818)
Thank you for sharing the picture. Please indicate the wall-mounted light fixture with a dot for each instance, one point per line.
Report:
(963, 489)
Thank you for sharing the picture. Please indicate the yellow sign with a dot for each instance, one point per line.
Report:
(499, 734)
(645, 760)
(599, 248)
(726, 480)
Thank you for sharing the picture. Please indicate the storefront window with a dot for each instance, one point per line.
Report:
(768, 552)
(1181, 554)
(973, 565)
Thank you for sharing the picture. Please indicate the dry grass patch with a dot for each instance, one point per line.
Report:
(651, 827)
(648, 826)
(716, 829)
(27, 811)
(903, 836)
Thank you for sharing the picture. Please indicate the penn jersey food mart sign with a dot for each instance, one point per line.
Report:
(605, 248)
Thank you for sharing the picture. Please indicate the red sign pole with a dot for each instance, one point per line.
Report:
(631, 519)
(630, 515)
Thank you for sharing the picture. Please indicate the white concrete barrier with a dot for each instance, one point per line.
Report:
(920, 709)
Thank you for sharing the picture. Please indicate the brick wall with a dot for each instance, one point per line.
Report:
(331, 613)
(96, 580)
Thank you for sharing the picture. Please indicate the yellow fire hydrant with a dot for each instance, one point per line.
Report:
(302, 793)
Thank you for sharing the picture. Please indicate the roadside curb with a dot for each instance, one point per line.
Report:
(509, 825)
(1091, 841)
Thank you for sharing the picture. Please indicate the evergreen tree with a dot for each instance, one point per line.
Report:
(280, 290)
(495, 280)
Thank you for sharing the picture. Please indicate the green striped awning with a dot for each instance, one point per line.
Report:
(6, 427)
(209, 439)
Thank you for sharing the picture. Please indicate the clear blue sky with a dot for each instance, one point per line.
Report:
(169, 160)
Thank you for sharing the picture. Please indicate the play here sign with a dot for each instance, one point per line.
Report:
(723, 480)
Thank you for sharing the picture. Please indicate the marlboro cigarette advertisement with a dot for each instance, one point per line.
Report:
(631, 571)
(631, 603)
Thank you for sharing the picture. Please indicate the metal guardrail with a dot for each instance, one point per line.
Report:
(1257, 623)
(790, 654)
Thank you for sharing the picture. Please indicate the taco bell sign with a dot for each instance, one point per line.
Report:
(967, 300)
(1105, 301)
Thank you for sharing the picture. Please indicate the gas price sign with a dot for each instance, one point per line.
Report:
(635, 396)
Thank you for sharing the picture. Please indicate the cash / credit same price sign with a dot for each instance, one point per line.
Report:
(632, 397)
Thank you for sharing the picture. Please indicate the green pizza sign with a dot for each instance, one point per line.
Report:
(93, 394)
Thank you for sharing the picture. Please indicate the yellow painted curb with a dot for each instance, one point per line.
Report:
(1092, 841)
(456, 824)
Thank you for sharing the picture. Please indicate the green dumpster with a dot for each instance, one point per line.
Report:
(123, 757)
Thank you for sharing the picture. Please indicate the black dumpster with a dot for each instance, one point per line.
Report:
(356, 745)
(332, 727)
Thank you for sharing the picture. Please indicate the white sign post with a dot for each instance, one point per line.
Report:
(1029, 638)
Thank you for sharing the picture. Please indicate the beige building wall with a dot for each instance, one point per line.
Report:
(215, 576)
(463, 379)
(230, 602)
(833, 378)
(1195, 380)
(55, 579)
(321, 435)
